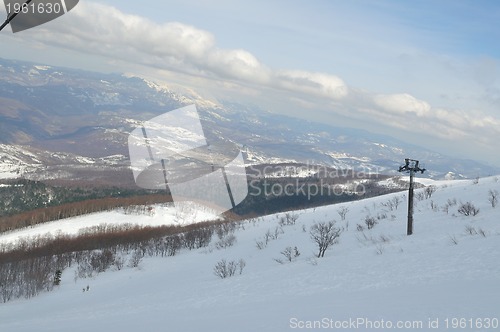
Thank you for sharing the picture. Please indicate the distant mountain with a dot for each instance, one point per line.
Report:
(87, 117)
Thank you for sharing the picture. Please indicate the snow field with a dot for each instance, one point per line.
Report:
(440, 272)
(183, 213)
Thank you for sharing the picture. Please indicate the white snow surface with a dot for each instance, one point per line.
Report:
(183, 213)
(440, 272)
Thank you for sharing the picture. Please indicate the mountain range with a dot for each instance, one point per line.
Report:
(58, 122)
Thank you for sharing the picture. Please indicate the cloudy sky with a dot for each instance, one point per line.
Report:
(422, 71)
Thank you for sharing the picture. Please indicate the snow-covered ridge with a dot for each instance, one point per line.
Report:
(25, 162)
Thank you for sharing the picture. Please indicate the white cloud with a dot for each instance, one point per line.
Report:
(402, 103)
(316, 84)
(237, 64)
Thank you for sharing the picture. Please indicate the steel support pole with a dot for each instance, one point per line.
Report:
(409, 229)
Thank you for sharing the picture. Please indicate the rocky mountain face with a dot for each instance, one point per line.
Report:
(57, 122)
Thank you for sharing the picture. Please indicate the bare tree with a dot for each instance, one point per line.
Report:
(493, 197)
(343, 212)
(428, 191)
(288, 219)
(136, 258)
(393, 203)
(290, 254)
(324, 235)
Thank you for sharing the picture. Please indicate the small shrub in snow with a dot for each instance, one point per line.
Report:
(449, 203)
(360, 228)
(384, 238)
(473, 231)
(453, 239)
(343, 212)
(135, 259)
(493, 198)
(224, 269)
(226, 242)
(370, 222)
(241, 265)
(277, 232)
(288, 219)
(481, 232)
(468, 209)
(290, 254)
(260, 244)
(393, 203)
(428, 191)
(470, 230)
(269, 236)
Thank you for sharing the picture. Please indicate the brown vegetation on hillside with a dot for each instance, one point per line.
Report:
(42, 215)
(35, 264)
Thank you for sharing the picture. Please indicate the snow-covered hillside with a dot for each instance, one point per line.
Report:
(184, 213)
(445, 275)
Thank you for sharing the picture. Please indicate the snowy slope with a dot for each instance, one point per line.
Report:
(183, 213)
(371, 278)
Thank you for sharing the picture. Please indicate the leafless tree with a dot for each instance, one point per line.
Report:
(493, 197)
(428, 191)
(290, 254)
(288, 219)
(393, 203)
(324, 234)
(136, 258)
(343, 212)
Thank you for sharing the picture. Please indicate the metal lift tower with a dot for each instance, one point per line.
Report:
(410, 166)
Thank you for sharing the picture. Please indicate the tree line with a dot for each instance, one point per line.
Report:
(22, 195)
(33, 265)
